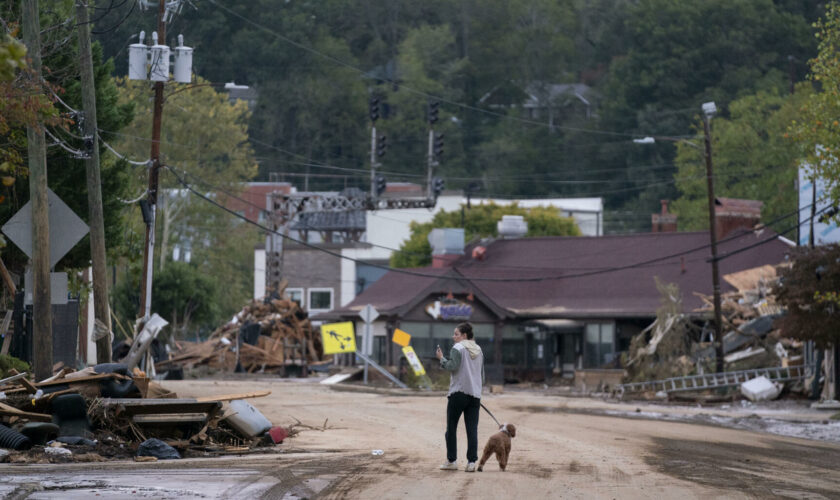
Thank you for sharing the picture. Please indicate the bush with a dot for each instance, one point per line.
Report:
(8, 363)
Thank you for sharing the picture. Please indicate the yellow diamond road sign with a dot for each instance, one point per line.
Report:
(338, 337)
(401, 337)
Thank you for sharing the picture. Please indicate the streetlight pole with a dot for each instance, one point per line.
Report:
(709, 110)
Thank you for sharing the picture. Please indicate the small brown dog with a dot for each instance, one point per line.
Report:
(499, 443)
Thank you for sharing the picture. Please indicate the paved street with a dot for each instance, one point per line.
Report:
(565, 448)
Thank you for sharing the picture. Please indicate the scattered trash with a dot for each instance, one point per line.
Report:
(76, 440)
(10, 438)
(246, 419)
(760, 389)
(156, 448)
(273, 334)
(40, 433)
(278, 434)
(50, 450)
(377, 452)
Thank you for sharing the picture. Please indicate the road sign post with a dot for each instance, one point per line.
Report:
(368, 315)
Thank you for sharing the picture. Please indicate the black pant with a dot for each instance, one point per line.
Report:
(462, 403)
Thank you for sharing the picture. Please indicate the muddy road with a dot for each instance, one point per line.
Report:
(564, 448)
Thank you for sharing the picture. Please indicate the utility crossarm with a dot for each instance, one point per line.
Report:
(283, 208)
(297, 203)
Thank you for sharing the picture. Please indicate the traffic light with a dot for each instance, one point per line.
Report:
(379, 184)
(433, 111)
(437, 147)
(437, 186)
(381, 145)
(374, 109)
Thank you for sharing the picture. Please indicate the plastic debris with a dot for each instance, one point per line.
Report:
(156, 448)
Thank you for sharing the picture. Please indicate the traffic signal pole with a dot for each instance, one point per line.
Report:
(430, 164)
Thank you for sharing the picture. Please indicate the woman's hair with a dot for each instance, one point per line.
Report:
(466, 329)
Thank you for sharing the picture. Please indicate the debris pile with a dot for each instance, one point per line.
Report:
(272, 335)
(107, 411)
(673, 346)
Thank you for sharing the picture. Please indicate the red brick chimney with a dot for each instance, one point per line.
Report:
(663, 222)
(732, 214)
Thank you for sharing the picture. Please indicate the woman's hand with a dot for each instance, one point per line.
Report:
(438, 353)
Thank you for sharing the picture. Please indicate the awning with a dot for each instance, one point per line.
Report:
(558, 325)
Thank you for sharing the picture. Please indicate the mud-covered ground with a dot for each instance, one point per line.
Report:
(565, 448)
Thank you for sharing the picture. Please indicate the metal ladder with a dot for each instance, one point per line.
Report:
(714, 380)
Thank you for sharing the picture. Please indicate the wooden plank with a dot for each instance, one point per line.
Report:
(29, 385)
(14, 412)
(139, 406)
(4, 331)
(7, 278)
(171, 418)
(12, 378)
(231, 397)
(87, 378)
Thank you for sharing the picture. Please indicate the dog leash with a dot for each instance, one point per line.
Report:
(491, 415)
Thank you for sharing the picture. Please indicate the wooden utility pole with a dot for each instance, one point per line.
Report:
(713, 240)
(41, 301)
(149, 250)
(94, 187)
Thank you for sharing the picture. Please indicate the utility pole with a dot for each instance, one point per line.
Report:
(709, 110)
(101, 311)
(37, 151)
(149, 250)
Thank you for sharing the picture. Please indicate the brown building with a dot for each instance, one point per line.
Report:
(552, 304)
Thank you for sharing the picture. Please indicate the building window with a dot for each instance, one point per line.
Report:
(296, 294)
(320, 299)
(600, 344)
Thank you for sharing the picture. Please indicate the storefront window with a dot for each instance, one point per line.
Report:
(600, 344)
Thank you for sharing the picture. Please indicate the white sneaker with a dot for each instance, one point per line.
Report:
(470, 467)
(449, 466)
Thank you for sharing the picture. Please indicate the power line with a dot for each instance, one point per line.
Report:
(434, 276)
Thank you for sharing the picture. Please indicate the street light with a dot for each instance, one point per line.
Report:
(709, 110)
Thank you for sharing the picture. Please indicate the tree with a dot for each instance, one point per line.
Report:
(817, 130)
(203, 136)
(753, 159)
(24, 102)
(681, 54)
(183, 294)
(204, 139)
(480, 222)
(808, 292)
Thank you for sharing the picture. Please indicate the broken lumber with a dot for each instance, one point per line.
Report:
(231, 397)
(11, 411)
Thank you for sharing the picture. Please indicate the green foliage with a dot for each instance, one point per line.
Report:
(480, 222)
(183, 294)
(807, 290)
(205, 138)
(26, 102)
(817, 130)
(12, 57)
(753, 159)
(652, 62)
(8, 362)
